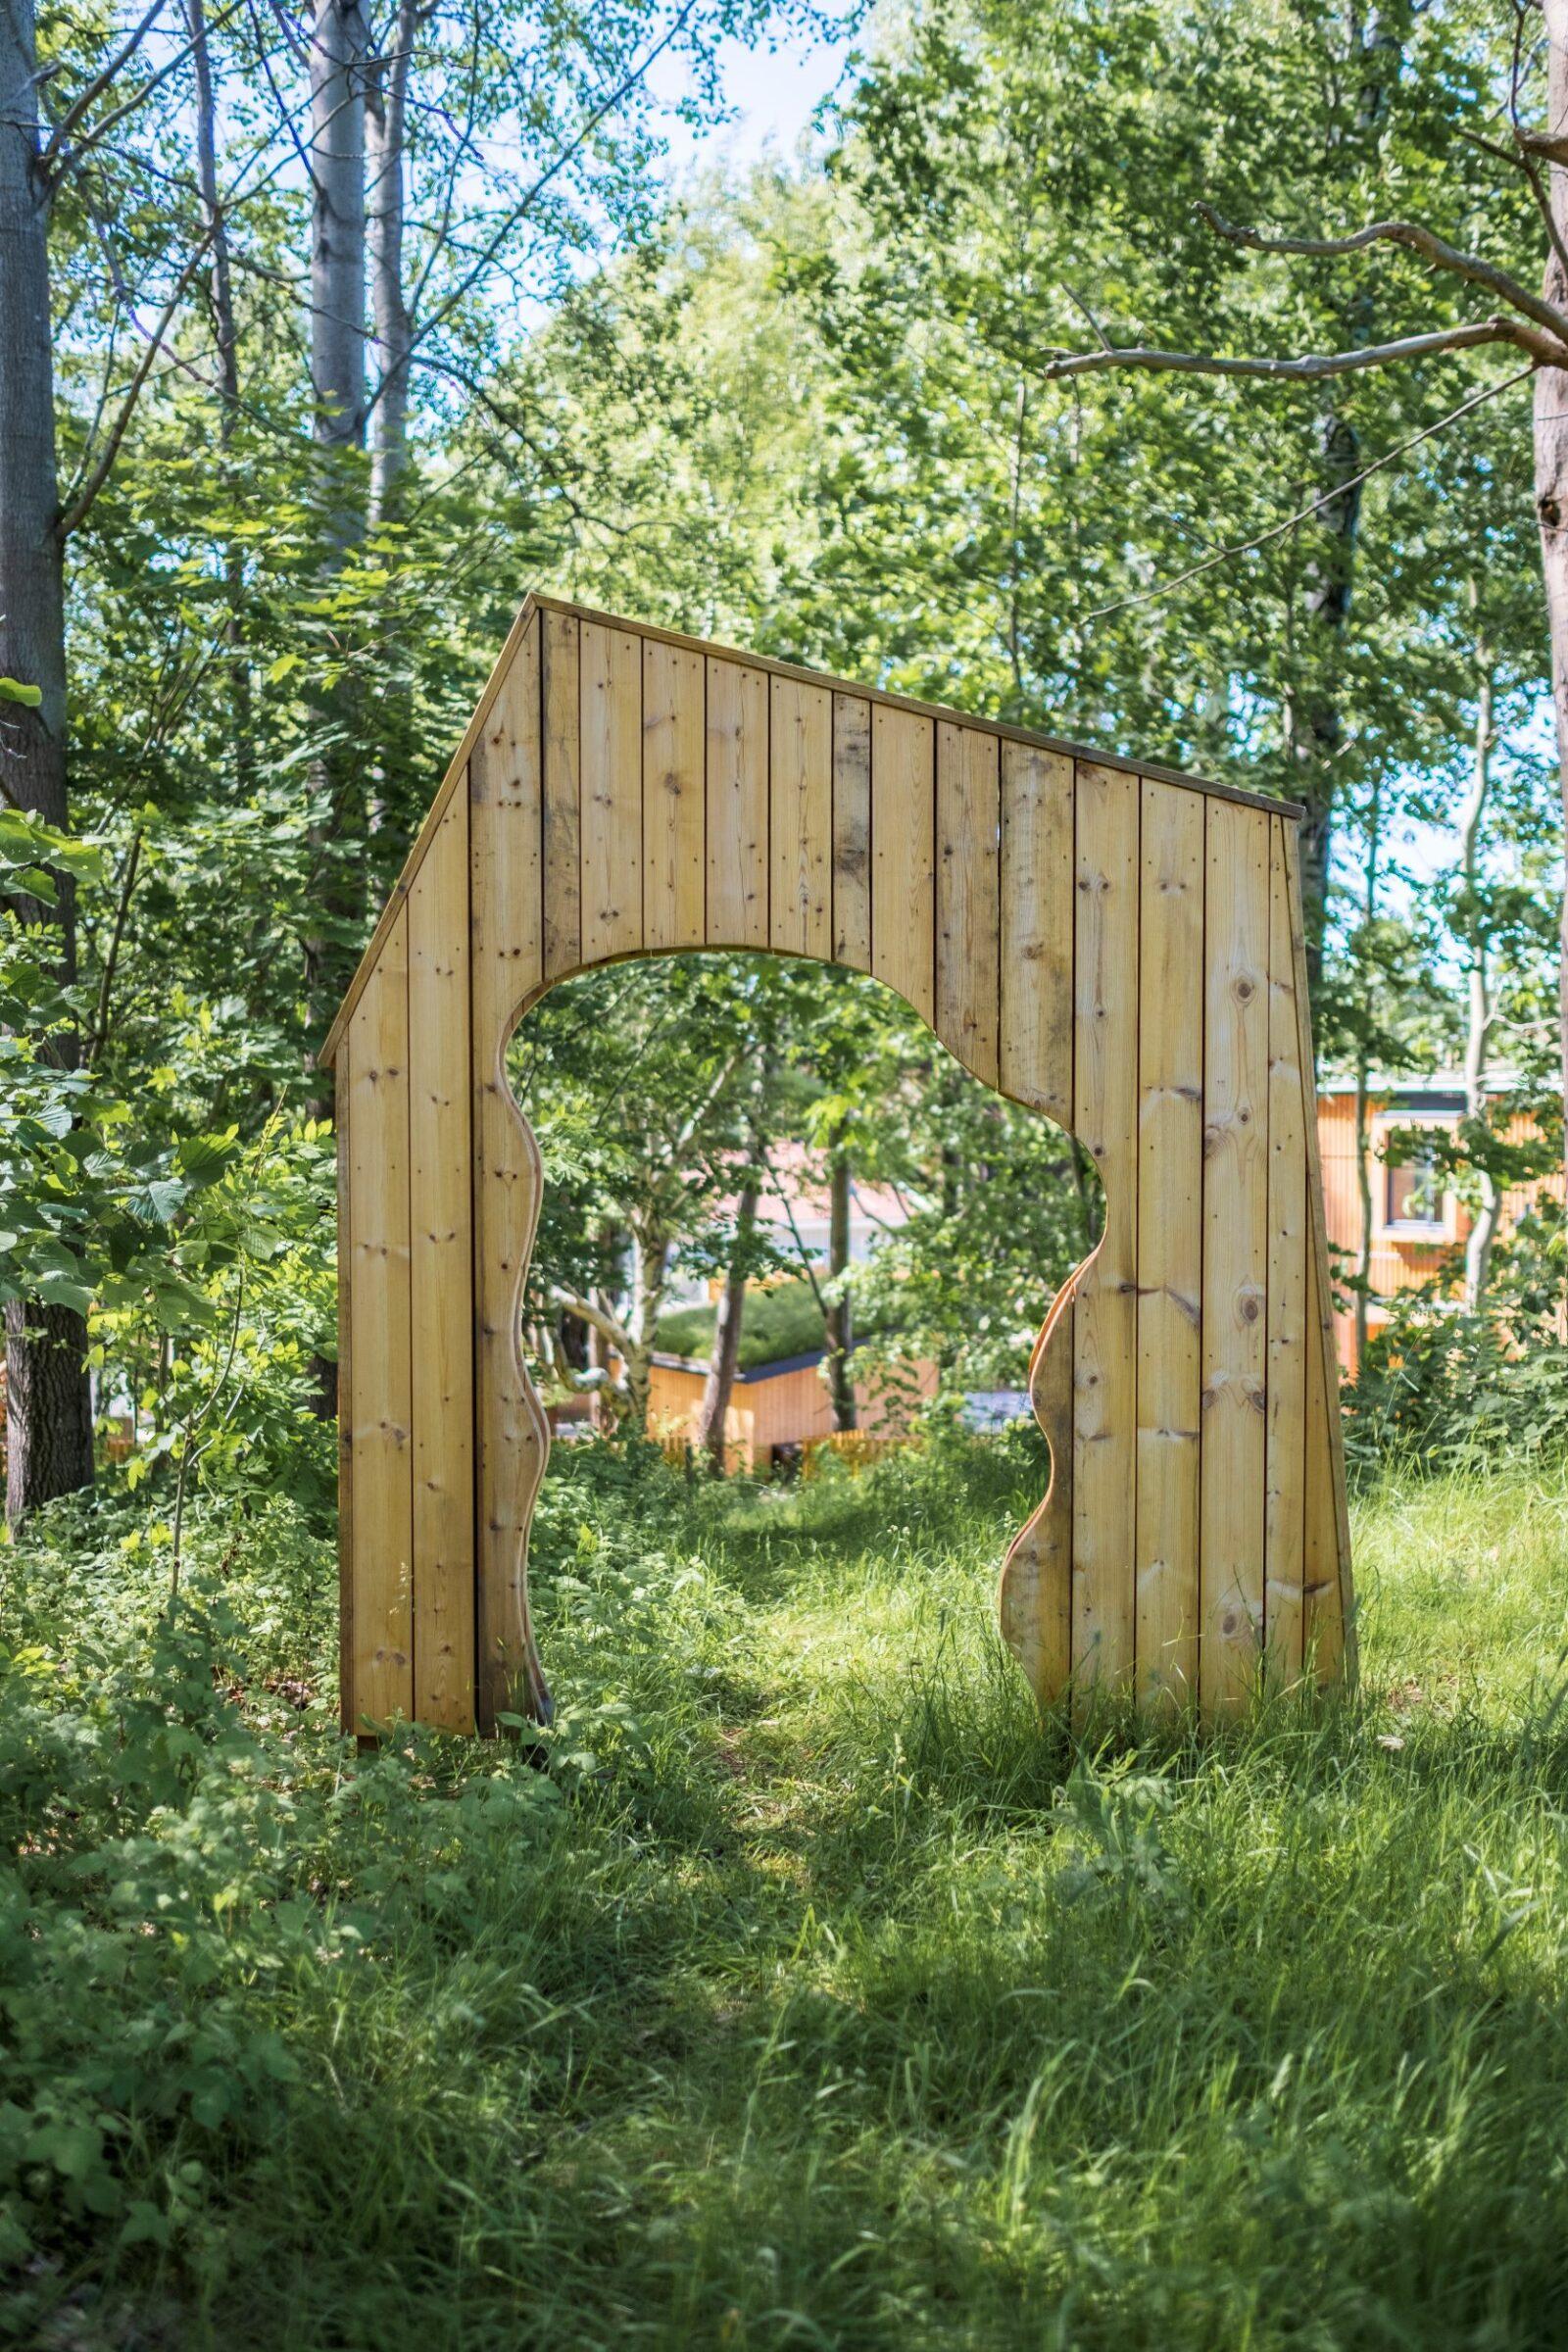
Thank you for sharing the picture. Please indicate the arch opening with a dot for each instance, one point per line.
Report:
(776, 1213)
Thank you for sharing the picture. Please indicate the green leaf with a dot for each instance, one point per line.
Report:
(12, 690)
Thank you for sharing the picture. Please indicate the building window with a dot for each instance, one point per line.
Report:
(1413, 1198)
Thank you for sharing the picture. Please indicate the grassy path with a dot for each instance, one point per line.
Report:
(817, 1997)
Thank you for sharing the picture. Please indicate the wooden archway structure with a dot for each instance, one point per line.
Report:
(1114, 945)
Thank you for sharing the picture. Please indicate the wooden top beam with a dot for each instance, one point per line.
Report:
(533, 604)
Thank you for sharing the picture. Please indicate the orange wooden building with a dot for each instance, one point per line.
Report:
(777, 1411)
(1419, 1227)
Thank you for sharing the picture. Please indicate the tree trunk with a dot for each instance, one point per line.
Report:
(387, 119)
(220, 300)
(650, 1253)
(840, 1336)
(49, 1414)
(338, 51)
(719, 1385)
(1477, 1027)
(1551, 476)
(1315, 725)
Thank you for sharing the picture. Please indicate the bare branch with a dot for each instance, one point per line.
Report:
(1312, 366)
(1415, 239)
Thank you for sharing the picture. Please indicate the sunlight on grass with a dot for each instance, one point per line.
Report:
(820, 1994)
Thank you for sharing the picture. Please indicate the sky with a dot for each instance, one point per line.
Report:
(771, 93)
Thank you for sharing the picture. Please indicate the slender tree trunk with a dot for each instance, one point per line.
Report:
(1315, 725)
(650, 1253)
(840, 1336)
(339, 70)
(221, 299)
(1478, 1026)
(719, 1385)
(49, 1408)
(387, 140)
(1552, 473)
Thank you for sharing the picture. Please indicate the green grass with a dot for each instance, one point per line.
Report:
(818, 1996)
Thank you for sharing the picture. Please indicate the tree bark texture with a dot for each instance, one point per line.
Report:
(387, 140)
(49, 1417)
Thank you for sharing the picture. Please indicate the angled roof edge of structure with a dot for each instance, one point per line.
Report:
(535, 602)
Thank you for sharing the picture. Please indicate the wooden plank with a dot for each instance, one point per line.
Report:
(347, 1702)
(1035, 1598)
(383, 1571)
(1236, 1030)
(883, 700)
(1285, 1486)
(674, 819)
(1036, 948)
(507, 968)
(1170, 1242)
(560, 653)
(799, 918)
(904, 856)
(442, 1279)
(612, 666)
(1329, 1630)
(737, 805)
(557, 608)
(851, 832)
(1106, 1122)
(968, 905)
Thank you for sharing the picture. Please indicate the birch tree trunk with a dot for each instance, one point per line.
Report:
(49, 1408)
(221, 298)
(386, 142)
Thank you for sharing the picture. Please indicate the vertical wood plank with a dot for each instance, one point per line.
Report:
(1283, 1533)
(382, 1676)
(904, 856)
(1236, 1033)
(1105, 1121)
(969, 904)
(441, 1277)
(1036, 949)
(561, 654)
(612, 676)
(506, 838)
(1329, 1627)
(737, 805)
(1170, 1241)
(801, 819)
(343, 1086)
(851, 832)
(675, 851)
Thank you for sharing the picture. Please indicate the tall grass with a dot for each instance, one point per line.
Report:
(818, 1994)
